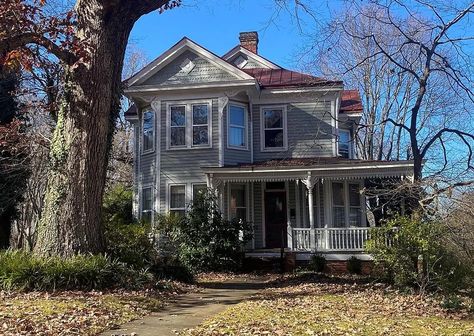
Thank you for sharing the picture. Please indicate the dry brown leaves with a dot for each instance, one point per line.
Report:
(76, 313)
(331, 307)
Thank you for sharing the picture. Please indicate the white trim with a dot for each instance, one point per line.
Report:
(245, 127)
(259, 59)
(168, 196)
(188, 108)
(176, 50)
(156, 106)
(152, 149)
(298, 202)
(198, 86)
(284, 126)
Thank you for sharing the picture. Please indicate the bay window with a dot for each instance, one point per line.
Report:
(147, 204)
(345, 144)
(237, 126)
(148, 131)
(273, 128)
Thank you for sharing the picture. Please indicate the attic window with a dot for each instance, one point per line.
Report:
(240, 62)
(187, 66)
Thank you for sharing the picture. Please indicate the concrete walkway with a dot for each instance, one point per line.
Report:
(191, 309)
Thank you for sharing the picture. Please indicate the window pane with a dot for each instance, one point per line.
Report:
(237, 196)
(338, 194)
(178, 136)
(273, 118)
(237, 137)
(200, 135)
(354, 217)
(237, 115)
(177, 197)
(339, 217)
(200, 114)
(199, 189)
(148, 136)
(354, 195)
(147, 200)
(177, 213)
(344, 143)
(178, 115)
(274, 138)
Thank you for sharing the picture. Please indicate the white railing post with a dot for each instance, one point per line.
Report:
(309, 182)
(289, 233)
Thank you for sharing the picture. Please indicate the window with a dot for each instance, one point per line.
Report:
(345, 144)
(178, 126)
(238, 204)
(189, 125)
(240, 62)
(338, 206)
(200, 125)
(273, 128)
(237, 126)
(177, 200)
(148, 131)
(199, 189)
(346, 204)
(147, 204)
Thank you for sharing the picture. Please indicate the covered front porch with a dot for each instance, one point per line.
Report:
(305, 205)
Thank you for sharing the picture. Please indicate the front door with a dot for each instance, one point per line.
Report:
(275, 219)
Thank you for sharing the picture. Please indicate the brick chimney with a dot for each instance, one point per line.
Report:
(249, 41)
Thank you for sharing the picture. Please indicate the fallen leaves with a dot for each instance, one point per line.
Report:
(327, 306)
(76, 313)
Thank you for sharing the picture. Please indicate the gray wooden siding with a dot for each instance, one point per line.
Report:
(203, 72)
(309, 131)
(235, 156)
(184, 166)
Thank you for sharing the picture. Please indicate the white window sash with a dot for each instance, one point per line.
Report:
(200, 125)
(170, 186)
(263, 128)
(152, 149)
(244, 127)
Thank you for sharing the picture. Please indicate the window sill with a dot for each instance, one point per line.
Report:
(188, 148)
(245, 149)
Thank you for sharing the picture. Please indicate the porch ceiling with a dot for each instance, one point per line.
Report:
(322, 168)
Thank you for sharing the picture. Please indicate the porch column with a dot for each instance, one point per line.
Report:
(309, 182)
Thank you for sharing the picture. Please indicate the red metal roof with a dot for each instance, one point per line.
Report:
(351, 101)
(268, 78)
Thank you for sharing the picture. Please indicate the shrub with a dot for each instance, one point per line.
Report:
(24, 271)
(354, 265)
(317, 263)
(417, 255)
(452, 302)
(207, 242)
(117, 205)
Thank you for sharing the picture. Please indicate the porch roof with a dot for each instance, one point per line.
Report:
(296, 169)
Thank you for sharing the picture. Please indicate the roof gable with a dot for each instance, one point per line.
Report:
(176, 66)
(253, 60)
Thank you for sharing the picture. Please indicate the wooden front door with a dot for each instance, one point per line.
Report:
(275, 219)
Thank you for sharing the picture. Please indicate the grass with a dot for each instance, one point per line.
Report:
(332, 307)
(75, 312)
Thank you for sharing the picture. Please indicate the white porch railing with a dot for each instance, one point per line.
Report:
(329, 239)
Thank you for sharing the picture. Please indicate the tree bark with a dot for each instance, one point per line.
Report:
(71, 219)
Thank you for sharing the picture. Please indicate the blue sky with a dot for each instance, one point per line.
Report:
(216, 24)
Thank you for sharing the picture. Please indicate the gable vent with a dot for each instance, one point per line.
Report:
(240, 62)
(187, 66)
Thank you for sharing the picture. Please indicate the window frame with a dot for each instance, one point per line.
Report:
(246, 198)
(284, 127)
(347, 206)
(245, 127)
(200, 125)
(188, 104)
(194, 184)
(168, 203)
(152, 149)
(350, 150)
(152, 193)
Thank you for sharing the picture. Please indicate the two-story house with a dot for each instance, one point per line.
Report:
(276, 144)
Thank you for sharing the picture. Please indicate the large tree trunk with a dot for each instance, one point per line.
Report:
(71, 219)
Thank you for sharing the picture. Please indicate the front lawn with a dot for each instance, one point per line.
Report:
(332, 306)
(76, 312)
